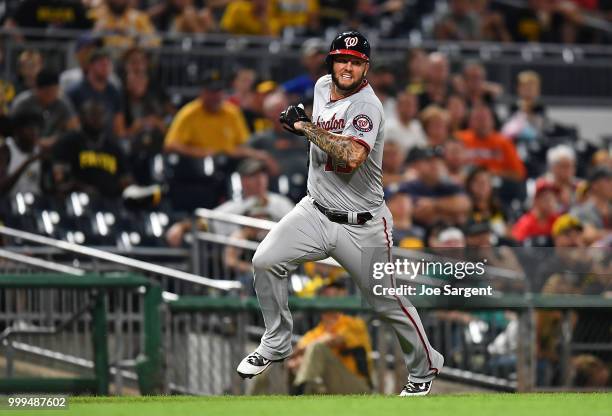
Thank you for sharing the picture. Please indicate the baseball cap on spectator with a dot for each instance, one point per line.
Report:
(423, 153)
(212, 80)
(543, 186)
(564, 224)
(312, 47)
(450, 234)
(87, 40)
(47, 78)
(265, 87)
(601, 172)
(250, 167)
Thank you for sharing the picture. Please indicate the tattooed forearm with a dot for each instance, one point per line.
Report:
(340, 148)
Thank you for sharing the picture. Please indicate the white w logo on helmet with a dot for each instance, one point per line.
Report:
(350, 42)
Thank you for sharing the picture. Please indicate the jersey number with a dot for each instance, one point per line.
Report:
(338, 168)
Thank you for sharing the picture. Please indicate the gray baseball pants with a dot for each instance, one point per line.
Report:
(305, 234)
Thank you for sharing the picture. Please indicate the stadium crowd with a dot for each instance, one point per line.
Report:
(558, 21)
(461, 169)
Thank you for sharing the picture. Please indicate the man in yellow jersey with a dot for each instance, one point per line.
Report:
(333, 357)
(209, 125)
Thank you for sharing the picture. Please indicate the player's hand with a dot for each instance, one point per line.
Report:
(292, 115)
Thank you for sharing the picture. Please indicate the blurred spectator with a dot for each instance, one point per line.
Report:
(482, 243)
(250, 17)
(445, 236)
(289, 150)
(393, 160)
(135, 60)
(486, 147)
(405, 233)
(561, 173)
(29, 64)
(242, 86)
(144, 112)
(123, 26)
(143, 107)
(7, 91)
(404, 127)
(455, 161)
(434, 199)
(181, 16)
(543, 21)
(20, 155)
(226, 130)
(301, 88)
(254, 181)
(416, 70)
(539, 220)
(90, 160)
(492, 24)
(45, 99)
(437, 81)
(457, 113)
(435, 123)
(460, 23)
(382, 79)
(527, 118)
(567, 232)
(298, 16)
(590, 371)
(85, 46)
(48, 14)
(564, 260)
(96, 85)
(253, 109)
(335, 14)
(475, 89)
(596, 212)
(334, 356)
(485, 206)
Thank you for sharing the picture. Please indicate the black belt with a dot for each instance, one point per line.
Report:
(344, 217)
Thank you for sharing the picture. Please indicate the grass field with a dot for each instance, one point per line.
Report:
(591, 404)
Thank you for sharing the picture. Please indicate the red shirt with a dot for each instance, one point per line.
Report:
(528, 226)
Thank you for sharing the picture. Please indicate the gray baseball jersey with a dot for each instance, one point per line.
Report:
(359, 116)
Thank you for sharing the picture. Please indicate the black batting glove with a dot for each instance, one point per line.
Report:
(292, 115)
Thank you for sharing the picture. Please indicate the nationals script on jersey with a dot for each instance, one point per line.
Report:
(359, 116)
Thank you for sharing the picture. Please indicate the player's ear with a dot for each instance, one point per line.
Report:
(367, 67)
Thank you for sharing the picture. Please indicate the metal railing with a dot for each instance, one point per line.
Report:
(64, 319)
(116, 259)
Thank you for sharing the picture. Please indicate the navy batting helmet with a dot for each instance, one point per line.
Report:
(348, 43)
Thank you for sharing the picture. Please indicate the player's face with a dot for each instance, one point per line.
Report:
(348, 72)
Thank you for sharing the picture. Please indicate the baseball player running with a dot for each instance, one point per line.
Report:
(344, 215)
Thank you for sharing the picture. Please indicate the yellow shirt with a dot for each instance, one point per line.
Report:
(220, 132)
(353, 331)
(293, 12)
(123, 30)
(238, 19)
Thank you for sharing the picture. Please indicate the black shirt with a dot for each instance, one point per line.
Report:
(61, 14)
(101, 167)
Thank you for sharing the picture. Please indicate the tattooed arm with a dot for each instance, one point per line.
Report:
(340, 148)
